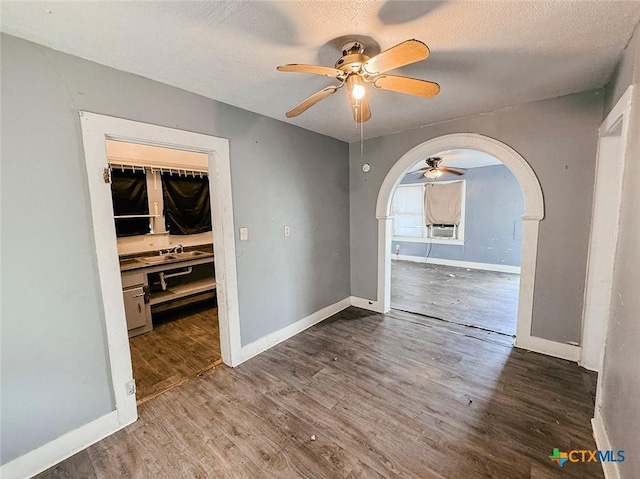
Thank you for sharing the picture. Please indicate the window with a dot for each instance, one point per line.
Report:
(157, 201)
(408, 211)
(187, 208)
(130, 202)
(428, 216)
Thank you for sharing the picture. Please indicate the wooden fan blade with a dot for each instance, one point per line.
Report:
(444, 169)
(409, 86)
(312, 100)
(361, 110)
(402, 54)
(314, 69)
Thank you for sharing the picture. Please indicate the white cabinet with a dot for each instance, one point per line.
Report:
(134, 307)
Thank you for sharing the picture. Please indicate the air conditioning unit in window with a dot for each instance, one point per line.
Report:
(443, 231)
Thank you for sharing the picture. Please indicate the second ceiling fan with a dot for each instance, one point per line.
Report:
(433, 169)
(355, 69)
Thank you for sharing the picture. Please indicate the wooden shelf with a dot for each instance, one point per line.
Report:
(182, 290)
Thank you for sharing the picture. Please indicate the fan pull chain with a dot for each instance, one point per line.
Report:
(361, 139)
(357, 108)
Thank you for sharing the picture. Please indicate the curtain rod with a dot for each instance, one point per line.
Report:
(162, 169)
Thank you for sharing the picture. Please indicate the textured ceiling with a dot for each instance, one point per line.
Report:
(485, 55)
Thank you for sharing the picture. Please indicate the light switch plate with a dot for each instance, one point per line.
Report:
(244, 234)
(287, 230)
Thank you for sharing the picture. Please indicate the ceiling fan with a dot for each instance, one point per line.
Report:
(355, 69)
(434, 170)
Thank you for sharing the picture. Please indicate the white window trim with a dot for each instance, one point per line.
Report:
(459, 241)
(414, 239)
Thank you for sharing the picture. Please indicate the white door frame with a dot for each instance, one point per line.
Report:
(603, 240)
(533, 213)
(96, 129)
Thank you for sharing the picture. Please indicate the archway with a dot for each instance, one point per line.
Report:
(533, 213)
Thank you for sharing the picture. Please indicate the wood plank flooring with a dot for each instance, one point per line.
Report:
(183, 343)
(362, 395)
(486, 299)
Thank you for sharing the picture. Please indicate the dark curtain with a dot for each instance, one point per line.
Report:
(187, 208)
(129, 195)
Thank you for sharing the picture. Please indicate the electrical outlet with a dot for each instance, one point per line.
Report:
(244, 234)
(287, 230)
(130, 387)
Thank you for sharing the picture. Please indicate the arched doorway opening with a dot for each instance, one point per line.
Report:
(533, 213)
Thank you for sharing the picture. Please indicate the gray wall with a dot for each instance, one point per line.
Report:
(493, 225)
(621, 373)
(54, 357)
(558, 138)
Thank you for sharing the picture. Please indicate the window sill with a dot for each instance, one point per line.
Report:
(414, 239)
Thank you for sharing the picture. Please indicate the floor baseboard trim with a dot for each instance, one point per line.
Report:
(53, 452)
(610, 469)
(588, 365)
(271, 339)
(548, 347)
(368, 304)
(501, 268)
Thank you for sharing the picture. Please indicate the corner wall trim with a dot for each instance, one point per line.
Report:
(270, 340)
(610, 469)
(369, 304)
(548, 347)
(50, 454)
(501, 268)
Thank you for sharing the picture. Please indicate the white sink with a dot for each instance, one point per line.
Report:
(188, 254)
(163, 258)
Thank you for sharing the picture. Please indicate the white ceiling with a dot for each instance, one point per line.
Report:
(485, 55)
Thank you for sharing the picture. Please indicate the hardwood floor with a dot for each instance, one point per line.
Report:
(362, 395)
(485, 299)
(183, 343)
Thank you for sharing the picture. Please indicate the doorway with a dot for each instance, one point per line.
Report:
(96, 130)
(603, 241)
(163, 220)
(457, 241)
(533, 213)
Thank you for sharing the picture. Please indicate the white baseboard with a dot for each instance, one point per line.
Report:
(363, 303)
(548, 347)
(271, 339)
(53, 452)
(501, 268)
(611, 470)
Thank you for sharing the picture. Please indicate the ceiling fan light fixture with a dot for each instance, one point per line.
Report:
(355, 68)
(433, 174)
(358, 91)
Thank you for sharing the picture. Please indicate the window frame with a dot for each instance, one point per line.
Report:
(425, 238)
